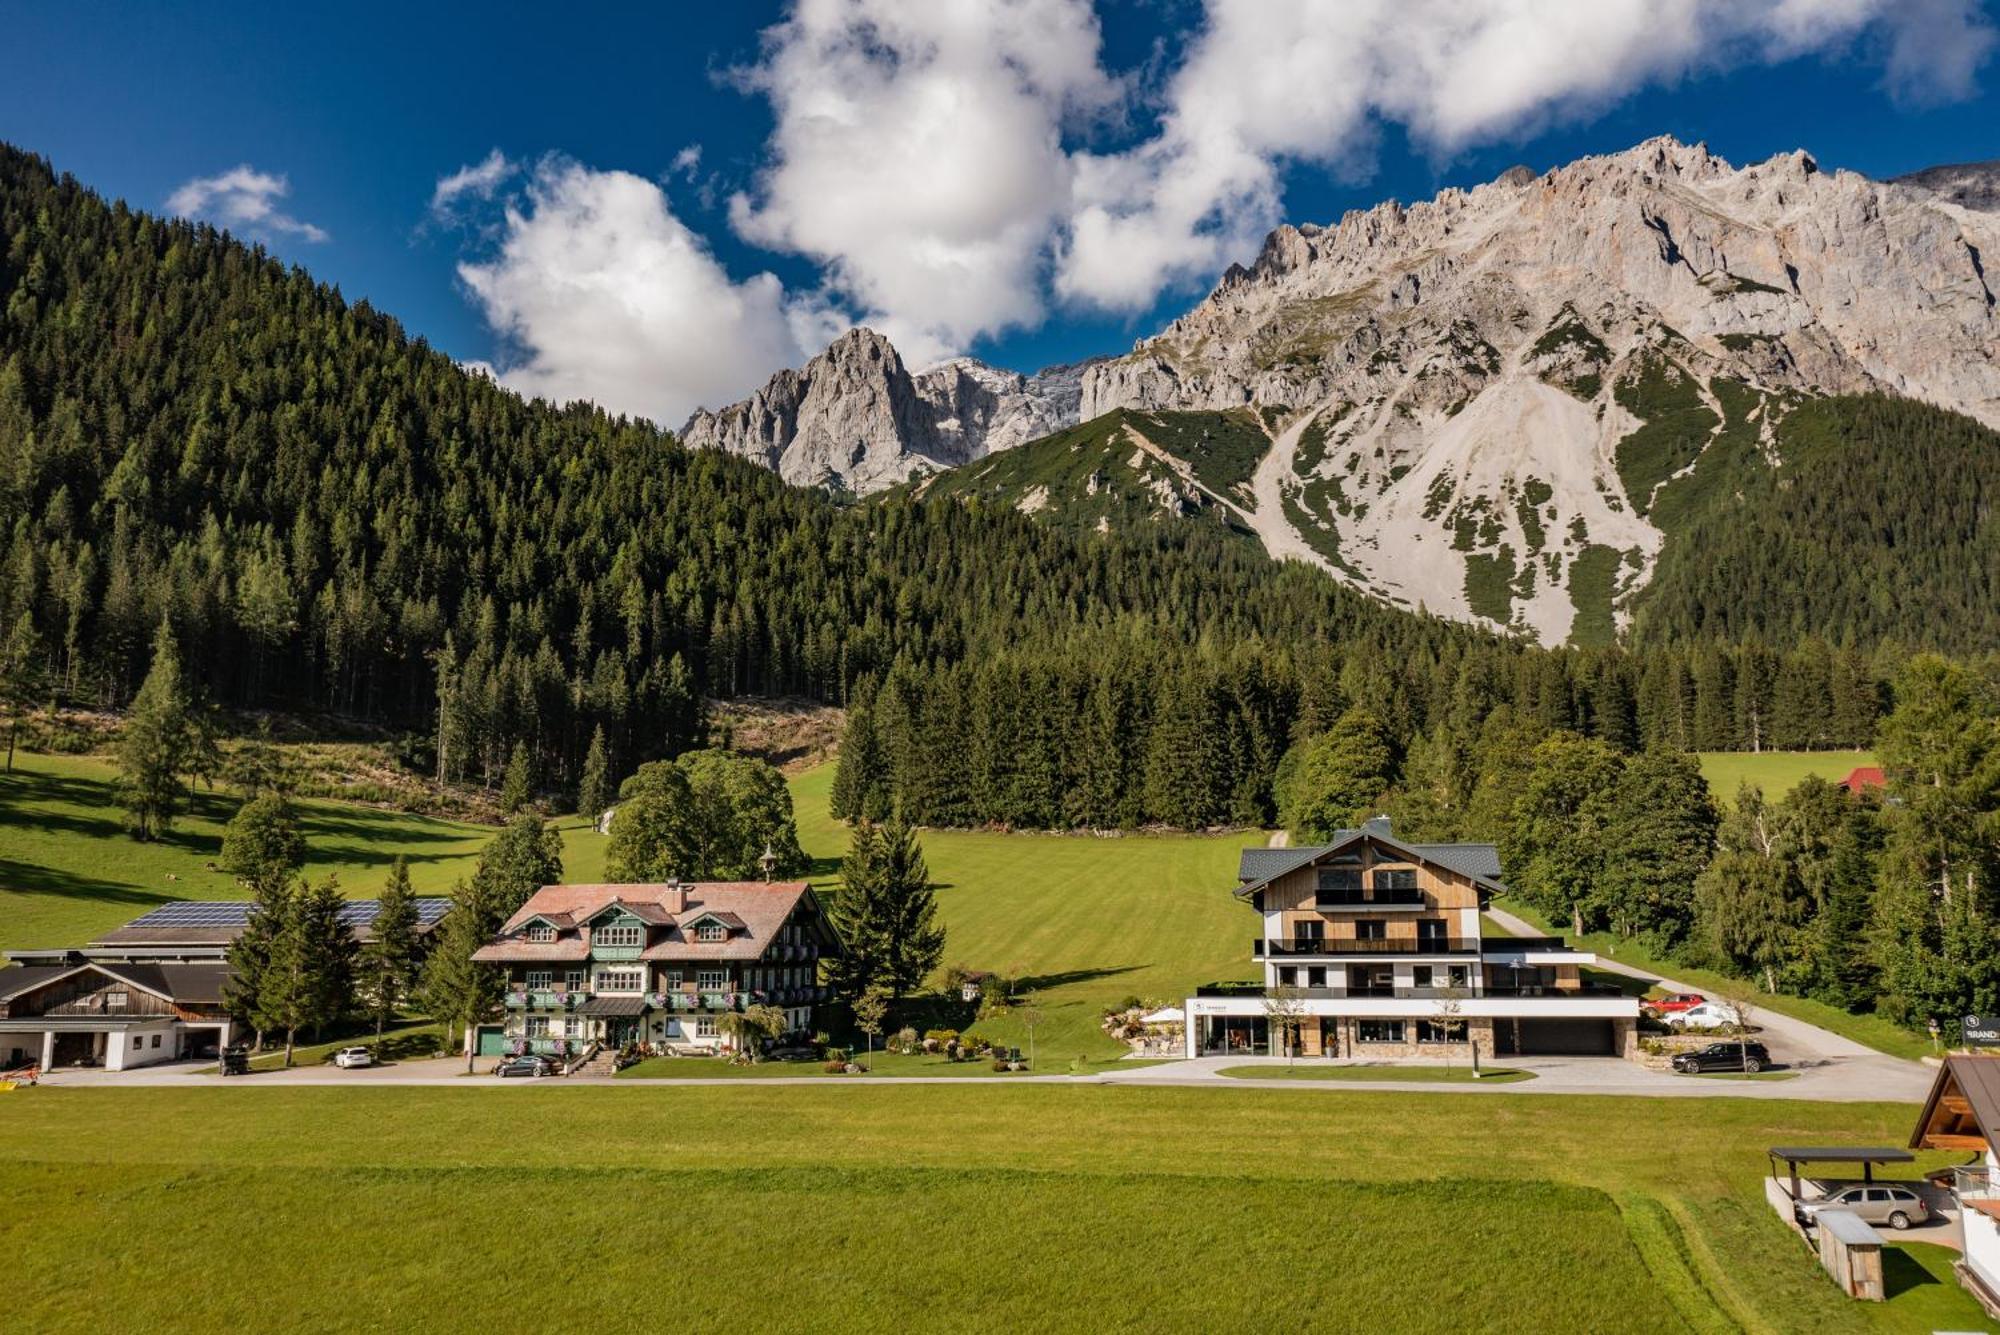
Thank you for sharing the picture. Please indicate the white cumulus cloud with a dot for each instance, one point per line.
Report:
(603, 294)
(1263, 85)
(245, 199)
(918, 155)
(477, 180)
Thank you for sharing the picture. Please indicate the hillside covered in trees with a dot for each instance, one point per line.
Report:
(331, 515)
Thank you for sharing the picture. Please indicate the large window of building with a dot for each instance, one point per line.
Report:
(541, 931)
(618, 934)
(1436, 1031)
(712, 980)
(621, 980)
(1371, 929)
(538, 1026)
(1338, 882)
(1378, 1031)
(711, 931)
(704, 1026)
(539, 980)
(1401, 880)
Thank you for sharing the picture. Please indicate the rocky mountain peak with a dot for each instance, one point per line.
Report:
(1459, 385)
(855, 417)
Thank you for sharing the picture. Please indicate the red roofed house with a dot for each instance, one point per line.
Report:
(619, 964)
(1863, 777)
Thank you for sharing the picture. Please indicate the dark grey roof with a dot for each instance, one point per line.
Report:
(14, 982)
(218, 922)
(1479, 860)
(1262, 865)
(188, 984)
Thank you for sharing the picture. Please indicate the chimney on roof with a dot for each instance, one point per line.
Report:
(675, 899)
(1378, 826)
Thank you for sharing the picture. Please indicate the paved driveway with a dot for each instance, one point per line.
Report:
(1822, 1058)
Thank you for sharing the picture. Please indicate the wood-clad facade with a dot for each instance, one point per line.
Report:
(1373, 948)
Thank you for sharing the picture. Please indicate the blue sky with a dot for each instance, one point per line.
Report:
(1031, 183)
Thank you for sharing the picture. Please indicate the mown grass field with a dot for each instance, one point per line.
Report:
(931, 1207)
(68, 870)
(1776, 772)
(1084, 922)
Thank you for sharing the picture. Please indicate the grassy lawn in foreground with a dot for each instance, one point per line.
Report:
(68, 870)
(926, 1207)
(1776, 772)
(1429, 1075)
(1873, 1030)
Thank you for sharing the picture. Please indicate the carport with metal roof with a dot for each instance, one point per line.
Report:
(1794, 1155)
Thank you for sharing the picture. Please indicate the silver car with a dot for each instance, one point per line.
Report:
(1898, 1207)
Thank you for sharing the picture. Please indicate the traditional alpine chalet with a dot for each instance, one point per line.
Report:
(1372, 948)
(655, 964)
(150, 991)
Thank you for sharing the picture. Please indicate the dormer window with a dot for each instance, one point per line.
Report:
(618, 934)
(541, 931)
(711, 931)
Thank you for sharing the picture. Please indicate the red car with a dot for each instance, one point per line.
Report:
(1675, 1002)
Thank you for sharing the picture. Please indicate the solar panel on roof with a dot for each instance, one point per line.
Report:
(197, 913)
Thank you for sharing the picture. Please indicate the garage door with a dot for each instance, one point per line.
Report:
(1566, 1038)
(492, 1040)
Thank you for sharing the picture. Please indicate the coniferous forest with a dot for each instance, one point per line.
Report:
(331, 516)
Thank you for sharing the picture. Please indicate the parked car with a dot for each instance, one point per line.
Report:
(1706, 1015)
(1674, 1002)
(1723, 1056)
(531, 1067)
(1881, 1203)
(349, 1058)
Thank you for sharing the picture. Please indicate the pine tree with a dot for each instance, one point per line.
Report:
(860, 782)
(308, 977)
(388, 961)
(518, 786)
(20, 677)
(156, 743)
(593, 793)
(458, 991)
(859, 915)
(911, 933)
(250, 958)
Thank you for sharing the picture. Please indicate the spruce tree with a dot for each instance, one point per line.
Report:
(911, 934)
(593, 793)
(458, 991)
(518, 785)
(156, 743)
(388, 961)
(250, 992)
(859, 915)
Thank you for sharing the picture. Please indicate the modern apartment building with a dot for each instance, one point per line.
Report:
(1371, 947)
